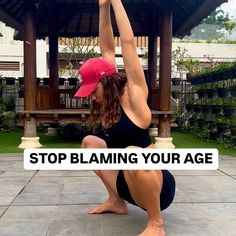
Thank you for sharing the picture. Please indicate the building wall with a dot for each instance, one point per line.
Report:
(221, 52)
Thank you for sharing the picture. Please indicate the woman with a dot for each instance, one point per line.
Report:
(120, 119)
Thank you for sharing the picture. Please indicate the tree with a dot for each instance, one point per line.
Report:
(75, 52)
(215, 26)
(219, 17)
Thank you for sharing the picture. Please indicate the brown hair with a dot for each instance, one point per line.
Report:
(107, 113)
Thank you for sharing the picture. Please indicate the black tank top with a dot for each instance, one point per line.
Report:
(125, 133)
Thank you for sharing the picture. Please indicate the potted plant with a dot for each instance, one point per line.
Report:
(62, 102)
(223, 89)
(222, 124)
(175, 94)
(217, 106)
(61, 81)
(21, 91)
(233, 90)
(10, 103)
(211, 90)
(201, 122)
(230, 107)
(189, 105)
(45, 81)
(176, 81)
(232, 125)
(73, 81)
(1, 85)
(206, 108)
(10, 80)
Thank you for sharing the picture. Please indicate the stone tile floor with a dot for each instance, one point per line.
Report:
(54, 203)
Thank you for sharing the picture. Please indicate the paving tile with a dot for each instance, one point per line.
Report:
(79, 198)
(83, 227)
(12, 174)
(205, 189)
(196, 172)
(6, 198)
(52, 173)
(48, 180)
(11, 157)
(228, 169)
(30, 213)
(118, 234)
(77, 186)
(75, 212)
(5, 165)
(36, 199)
(81, 173)
(82, 180)
(23, 228)
(38, 187)
(55, 203)
(2, 209)
(17, 166)
(187, 220)
(221, 215)
(12, 185)
(134, 222)
(200, 219)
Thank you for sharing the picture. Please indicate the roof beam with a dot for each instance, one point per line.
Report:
(9, 20)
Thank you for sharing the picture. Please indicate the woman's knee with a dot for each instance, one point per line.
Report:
(152, 175)
(92, 141)
(134, 173)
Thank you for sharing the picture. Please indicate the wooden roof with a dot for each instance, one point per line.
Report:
(74, 18)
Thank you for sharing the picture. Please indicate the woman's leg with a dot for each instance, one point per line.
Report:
(145, 187)
(114, 203)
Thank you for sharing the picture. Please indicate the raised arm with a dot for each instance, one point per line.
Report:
(133, 68)
(106, 37)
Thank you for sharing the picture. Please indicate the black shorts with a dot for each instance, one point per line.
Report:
(167, 191)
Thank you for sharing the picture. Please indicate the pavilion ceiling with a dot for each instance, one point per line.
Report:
(74, 18)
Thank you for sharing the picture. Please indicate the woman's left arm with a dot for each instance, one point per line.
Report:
(133, 68)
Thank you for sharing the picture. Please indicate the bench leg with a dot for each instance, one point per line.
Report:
(163, 143)
(30, 139)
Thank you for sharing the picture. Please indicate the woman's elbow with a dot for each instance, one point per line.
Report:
(127, 40)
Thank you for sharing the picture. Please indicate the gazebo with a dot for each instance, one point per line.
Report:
(37, 19)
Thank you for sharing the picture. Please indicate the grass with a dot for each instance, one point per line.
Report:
(9, 142)
(186, 140)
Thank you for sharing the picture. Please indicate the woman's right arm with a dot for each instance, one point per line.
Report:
(106, 38)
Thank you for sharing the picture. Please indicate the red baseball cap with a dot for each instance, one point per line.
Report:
(92, 71)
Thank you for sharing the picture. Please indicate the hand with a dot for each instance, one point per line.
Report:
(104, 2)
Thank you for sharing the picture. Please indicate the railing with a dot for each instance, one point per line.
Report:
(12, 94)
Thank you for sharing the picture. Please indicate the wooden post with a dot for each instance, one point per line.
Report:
(165, 68)
(152, 60)
(153, 101)
(53, 54)
(29, 64)
(30, 139)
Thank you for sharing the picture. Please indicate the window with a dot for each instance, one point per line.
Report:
(9, 66)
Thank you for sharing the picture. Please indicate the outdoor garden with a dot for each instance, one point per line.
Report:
(206, 99)
(204, 103)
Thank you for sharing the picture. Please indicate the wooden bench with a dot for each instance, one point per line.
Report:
(55, 115)
(72, 115)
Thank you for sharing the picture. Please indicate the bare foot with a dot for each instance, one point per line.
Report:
(119, 207)
(153, 230)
